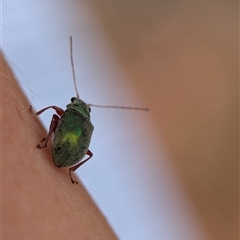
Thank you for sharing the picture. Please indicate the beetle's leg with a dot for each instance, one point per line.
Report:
(52, 128)
(53, 124)
(58, 110)
(43, 140)
(72, 169)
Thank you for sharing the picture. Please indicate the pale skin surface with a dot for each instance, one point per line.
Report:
(38, 199)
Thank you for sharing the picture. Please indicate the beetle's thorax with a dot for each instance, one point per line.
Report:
(80, 106)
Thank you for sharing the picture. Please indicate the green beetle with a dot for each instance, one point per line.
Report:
(72, 131)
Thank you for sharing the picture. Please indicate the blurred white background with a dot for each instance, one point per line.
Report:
(140, 199)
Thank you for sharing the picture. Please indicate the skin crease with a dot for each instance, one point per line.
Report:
(38, 199)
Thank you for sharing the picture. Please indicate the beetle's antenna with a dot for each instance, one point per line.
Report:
(121, 107)
(73, 71)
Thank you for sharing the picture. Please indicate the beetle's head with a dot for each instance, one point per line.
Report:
(80, 106)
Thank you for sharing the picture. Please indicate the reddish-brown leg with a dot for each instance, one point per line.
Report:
(53, 124)
(52, 128)
(72, 169)
(58, 110)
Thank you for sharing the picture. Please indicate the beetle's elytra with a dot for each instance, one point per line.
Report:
(73, 134)
(71, 130)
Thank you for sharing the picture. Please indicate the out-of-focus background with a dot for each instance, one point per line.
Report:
(170, 173)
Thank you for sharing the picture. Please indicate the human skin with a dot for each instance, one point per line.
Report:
(38, 199)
